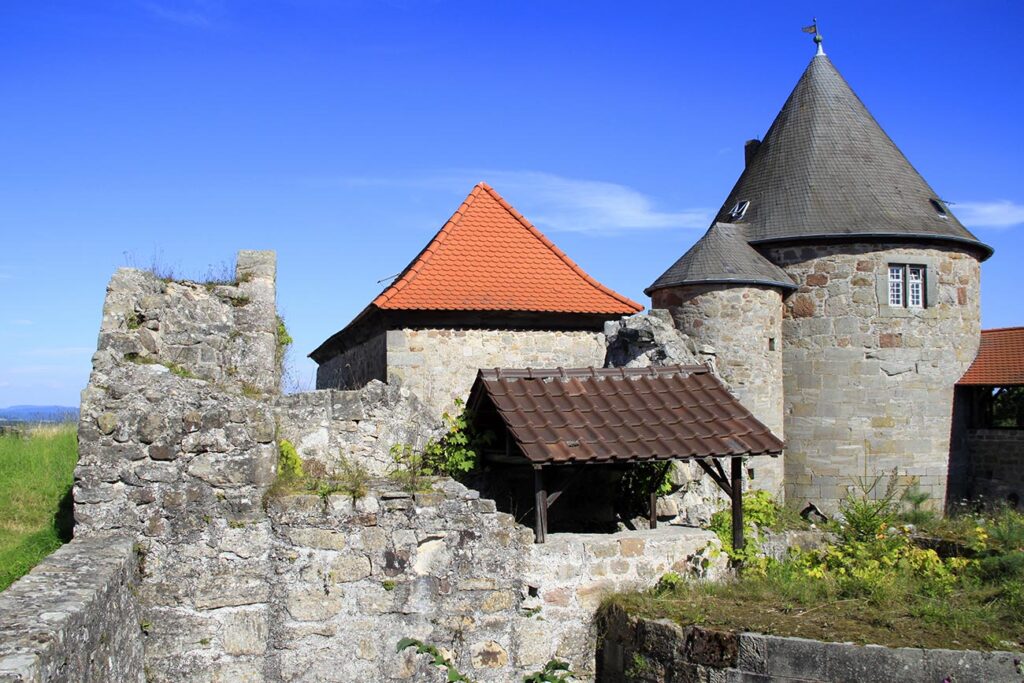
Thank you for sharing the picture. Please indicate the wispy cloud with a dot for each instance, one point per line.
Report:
(199, 13)
(556, 203)
(61, 352)
(1001, 213)
(21, 322)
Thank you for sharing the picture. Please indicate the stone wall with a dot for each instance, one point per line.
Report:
(869, 388)
(176, 451)
(744, 326)
(439, 365)
(995, 465)
(75, 617)
(567, 577)
(362, 425)
(354, 578)
(658, 651)
(355, 367)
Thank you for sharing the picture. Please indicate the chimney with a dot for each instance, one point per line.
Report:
(749, 150)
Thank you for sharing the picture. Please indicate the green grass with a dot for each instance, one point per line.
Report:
(872, 587)
(36, 474)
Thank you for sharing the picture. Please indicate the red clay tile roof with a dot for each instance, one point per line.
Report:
(621, 414)
(1000, 359)
(488, 257)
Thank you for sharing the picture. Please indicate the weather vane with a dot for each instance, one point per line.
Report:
(813, 28)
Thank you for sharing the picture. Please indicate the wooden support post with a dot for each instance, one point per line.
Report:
(540, 505)
(737, 503)
(654, 509)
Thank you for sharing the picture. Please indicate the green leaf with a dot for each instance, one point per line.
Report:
(405, 643)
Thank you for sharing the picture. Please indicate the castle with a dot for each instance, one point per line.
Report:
(839, 292)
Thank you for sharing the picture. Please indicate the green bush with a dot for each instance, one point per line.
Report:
(456, 454)
(289, 465)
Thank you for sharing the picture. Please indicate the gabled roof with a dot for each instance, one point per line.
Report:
(722, 256)
(1000, 359)
(488, 257)
(616, 415)
(826, 169)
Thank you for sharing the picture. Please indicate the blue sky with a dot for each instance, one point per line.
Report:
(343, 134)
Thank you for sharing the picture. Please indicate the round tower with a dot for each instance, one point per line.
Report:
(724, 294)
(881, 309)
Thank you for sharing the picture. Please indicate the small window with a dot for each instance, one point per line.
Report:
(940, 208)
(907, 286)
(737, 212)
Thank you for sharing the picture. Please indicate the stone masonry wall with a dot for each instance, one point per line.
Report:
(659, 651)
(75, 616)
(995, 460)
(439, 365)
(567, 578)
(176, 452)
(362, 425)
(744, 325)
(869, 388)
(355, 367)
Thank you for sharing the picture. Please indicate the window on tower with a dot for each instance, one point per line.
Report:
(906, 285)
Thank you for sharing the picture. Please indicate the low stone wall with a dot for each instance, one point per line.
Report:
(658, 651)
(74, 617)
(995, 465)
(351, 579)
(567, 577)
(362, 425)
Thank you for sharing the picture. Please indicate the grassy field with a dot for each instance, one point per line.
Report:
(36, 474)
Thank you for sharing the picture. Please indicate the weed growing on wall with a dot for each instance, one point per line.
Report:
(456, 454)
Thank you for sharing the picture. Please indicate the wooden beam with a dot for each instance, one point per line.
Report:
(540, 505)
(720, 479)
(654, 510)
(737, 503)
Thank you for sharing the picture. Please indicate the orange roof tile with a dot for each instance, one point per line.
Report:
(488, 257)
(1000, 359)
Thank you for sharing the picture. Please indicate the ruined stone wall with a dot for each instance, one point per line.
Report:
(439, 365)
(75, 616)
(995, 459)
(361, 425)
(176, 450)
(869, 388)
(660, 651)
(355, 367)
(744, 326)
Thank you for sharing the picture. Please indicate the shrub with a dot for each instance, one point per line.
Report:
(289, 466)
(760, 511)
(354, 478)
(455, 454)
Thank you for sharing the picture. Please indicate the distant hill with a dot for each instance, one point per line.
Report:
(38, 413)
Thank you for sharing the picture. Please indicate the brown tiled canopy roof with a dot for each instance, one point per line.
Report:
(1000, 359)
(621, 415)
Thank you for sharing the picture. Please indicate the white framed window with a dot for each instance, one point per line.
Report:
(895, 285)
(739, 210)
(907, 285)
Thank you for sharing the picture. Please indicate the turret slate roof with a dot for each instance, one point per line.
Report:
(488, 257)
(826, 169)
(723, 256)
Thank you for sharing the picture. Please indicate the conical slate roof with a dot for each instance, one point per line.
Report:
(826, 169)
(722, 256)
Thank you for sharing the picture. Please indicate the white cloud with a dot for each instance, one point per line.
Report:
(590, 206)
(63, 352)
(200, 13)
(559, 204)
(1001, 213)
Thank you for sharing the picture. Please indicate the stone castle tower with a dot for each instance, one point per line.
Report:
(841, 295)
